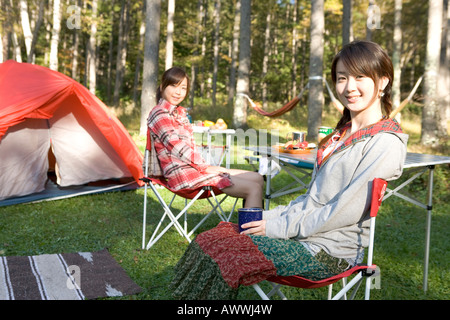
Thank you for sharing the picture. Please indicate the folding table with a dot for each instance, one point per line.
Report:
(287, 161)
(209, 156)
(414, 163)
(420, 163)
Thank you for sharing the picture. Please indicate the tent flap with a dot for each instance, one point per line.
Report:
(23, 159)
(42, 109)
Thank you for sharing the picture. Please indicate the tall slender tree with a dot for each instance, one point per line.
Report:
(25, 21)
(396, 55)
(347, 29)
(431, 113)
(92, 49)
(444, 70)
(170, 32)
(38, 24)
(124, 27)
(315, 96)
(265, 66)
(216, 51)
(243, 81)
(55, 35)
(151, 60)
(294, 49)
(234, 54)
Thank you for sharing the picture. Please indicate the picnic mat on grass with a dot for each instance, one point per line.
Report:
(67, 276)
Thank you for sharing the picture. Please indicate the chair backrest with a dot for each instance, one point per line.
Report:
(378, 191)
(152, 167)
(149, 141)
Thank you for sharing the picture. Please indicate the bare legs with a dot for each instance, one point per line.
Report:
(247, 185)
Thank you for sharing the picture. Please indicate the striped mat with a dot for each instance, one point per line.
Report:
(67, 276)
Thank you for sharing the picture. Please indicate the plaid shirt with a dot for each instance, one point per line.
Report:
(388, 125)
(183, 166)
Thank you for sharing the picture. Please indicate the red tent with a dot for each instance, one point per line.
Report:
(46, 115)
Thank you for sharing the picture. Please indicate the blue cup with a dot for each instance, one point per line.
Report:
(247, 215)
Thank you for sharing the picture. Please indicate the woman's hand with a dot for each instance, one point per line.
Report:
(257, 228)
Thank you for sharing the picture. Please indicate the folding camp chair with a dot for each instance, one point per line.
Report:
(368, 271)
(193, 195)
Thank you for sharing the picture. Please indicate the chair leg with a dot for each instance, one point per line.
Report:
(144, 218)
(260, 292)
(275, 289)
(232, 210)
(185, 217)
(173, 219)
(350, 285)
(368, 284)
(344, 283)
(330, 291)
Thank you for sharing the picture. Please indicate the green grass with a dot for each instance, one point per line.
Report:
(114, 221)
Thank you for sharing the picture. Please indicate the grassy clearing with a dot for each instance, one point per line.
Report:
(114, 221)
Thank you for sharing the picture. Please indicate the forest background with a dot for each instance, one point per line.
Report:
(266, 50)
(111, 47)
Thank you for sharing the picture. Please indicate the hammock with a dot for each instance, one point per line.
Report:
(286, 108)
(291, 104)
(405, 102)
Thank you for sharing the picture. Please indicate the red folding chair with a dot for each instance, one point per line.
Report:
(367, 271)
(193, 195)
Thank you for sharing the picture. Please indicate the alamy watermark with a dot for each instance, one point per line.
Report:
(74, 280)
(74, 19)
(373, 17)
(375, 279)
(237, 142)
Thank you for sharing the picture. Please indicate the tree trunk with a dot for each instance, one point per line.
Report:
(194, 66)
(137, 73)
(294, 50)
(396, 56)
(170, 29)
(121, 51)
(216, 51)
(444, 71)
(9, 24)
(315, 97)
(110, 56)
(431, 113)
(55, 35)
(265, 67)
(347, 30)
(25, 21)
(3, 34)
(151, 55)
(92, 57)
(234, 54)
(1, 49)
(204, 10)
(39, 21)
(243, 82)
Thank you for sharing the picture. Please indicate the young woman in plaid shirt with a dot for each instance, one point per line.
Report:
(181, 163)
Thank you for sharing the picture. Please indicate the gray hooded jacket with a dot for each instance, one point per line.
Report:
(333, 214)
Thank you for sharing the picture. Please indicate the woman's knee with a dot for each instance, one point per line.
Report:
(259, 179)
